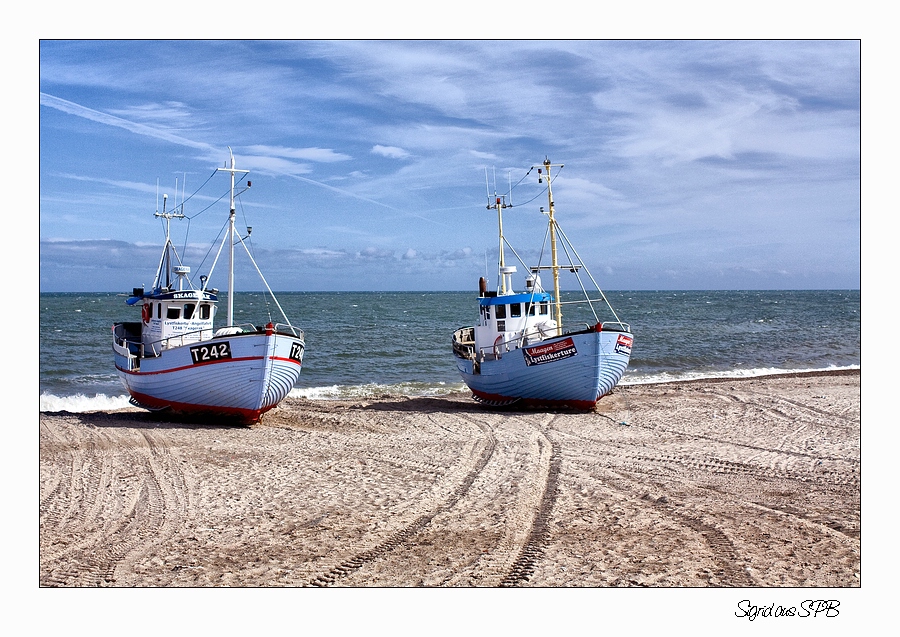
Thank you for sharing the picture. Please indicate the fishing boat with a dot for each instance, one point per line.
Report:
(174, 358)
(519, 353)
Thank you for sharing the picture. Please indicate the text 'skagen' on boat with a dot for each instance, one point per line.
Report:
(520, 353)
(174, 358)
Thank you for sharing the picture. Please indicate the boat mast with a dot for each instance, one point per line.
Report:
(231, 170)
(555, 263)
(165, 261)
(500, 204)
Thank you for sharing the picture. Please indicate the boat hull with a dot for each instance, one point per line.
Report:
(259, 371)
(571, 371)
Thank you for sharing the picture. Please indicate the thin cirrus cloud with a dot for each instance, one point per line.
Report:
(108, 119)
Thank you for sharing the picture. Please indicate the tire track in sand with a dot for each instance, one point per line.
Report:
(730, 567)
(479, 461)
(533, 549)
(118, 516)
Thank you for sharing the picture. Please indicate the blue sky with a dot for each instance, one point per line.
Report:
(689, 164)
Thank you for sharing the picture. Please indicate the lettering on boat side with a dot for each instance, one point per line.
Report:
(540, 354)
(296, 352)
(623, 345)
(210, 352)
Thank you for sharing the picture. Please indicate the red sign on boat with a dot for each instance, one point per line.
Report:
(558, 350)
(623, 345)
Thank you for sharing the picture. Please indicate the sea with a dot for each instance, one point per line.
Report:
(373, 344)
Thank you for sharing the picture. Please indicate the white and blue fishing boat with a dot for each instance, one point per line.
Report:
(175, 359)
(520, 354)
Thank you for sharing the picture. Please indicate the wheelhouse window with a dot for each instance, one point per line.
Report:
(173, 312)
(545, 309)
(515, 309)
(501, 325)
(189, 310)
(205, 311)
(500, 311)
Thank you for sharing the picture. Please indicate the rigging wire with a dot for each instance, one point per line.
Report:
(194, 216)
(247, 242)
(190, 217)
(508, 193)
(567, 245)
(541, 192)
(599, 289)
(519, 182)
(546, 232)
(184, 201)
(213, 244)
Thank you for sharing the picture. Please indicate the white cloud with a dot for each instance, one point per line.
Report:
(172, 114)
(391, 152)
(325, 155)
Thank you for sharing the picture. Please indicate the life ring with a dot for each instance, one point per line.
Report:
(145, 312)
(497, 342)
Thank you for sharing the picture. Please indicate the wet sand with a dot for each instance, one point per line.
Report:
(726, 483)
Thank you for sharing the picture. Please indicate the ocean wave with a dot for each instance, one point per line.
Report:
(635, 377)
(374, 390)
(80, 403)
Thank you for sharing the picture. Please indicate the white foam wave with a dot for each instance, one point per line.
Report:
(80, 403)
(373, 390)
(666, 377)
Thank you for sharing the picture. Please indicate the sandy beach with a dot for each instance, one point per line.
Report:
(715, 483)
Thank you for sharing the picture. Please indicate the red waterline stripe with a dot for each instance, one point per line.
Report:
(223, 360)
(249, 415)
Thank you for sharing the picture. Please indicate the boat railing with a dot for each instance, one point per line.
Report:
(500, 347)
(284, 328)
(521, 339)
(606, 326)
(615, 326)
(128, 337)
(249, 328)
(464, 345)
(464, 342)
(464, 339)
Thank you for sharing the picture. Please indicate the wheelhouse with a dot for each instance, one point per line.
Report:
(175, 318)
